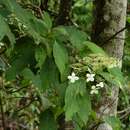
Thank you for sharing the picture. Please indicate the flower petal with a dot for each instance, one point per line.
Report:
(93, 87)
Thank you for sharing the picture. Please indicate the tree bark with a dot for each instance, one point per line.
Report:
(64, 12)
(110, 17)
(64, 19)
(44, 5)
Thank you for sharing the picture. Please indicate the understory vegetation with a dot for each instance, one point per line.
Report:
(52, 75)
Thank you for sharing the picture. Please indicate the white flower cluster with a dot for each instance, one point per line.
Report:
(89, 78)
(73, 77)
(94, 88)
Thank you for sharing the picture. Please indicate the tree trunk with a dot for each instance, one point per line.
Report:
(63, 19)
(44, 5)
(110, 18)
(64, 12)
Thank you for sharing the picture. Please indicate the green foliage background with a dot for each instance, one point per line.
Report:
(36, 59)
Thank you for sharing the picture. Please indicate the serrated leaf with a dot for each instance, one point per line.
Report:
(47, 20)
(75, 97)
(47, 121)
(76, 37)
(61, 57)
(116, 72)
(40, 56)
(109, 78)
(35, 27)
(94, 48)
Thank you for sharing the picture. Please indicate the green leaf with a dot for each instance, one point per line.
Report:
(46, 103)
(21, 57)
(61, 57)
(5, 31)
(109, 78)
(114, 122)
(40, 56)
(47, 20)
(47, 121)
(35, 27)
(94, 48)
(76, 37)
(49, 74)
(29, 75)
(116, 72)
(77, 96)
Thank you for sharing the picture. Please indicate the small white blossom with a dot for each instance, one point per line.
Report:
(73, 77)
(90, 77)
(94, 90)
(101, 84)
(1, 44)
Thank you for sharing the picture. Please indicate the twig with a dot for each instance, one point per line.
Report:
(17, 90)
(125, 115)
(26, 105)
(113, 36)
(120, 112)
(1, 108)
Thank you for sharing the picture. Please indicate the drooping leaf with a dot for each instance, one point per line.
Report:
(61, 57)
(47, 20)
(109, 78)
(77, 96)
(94, 48)
(116, 72)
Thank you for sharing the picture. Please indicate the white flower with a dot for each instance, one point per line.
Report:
(101, 84)
(73, 77)
(94, 90)
(90, 77)
(1, 44)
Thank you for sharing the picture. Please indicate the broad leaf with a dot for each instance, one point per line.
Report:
(94, 48)
(77, 96)
(29, 75)
(49, 74)
(47, 20)
(21, 57)
(61, 57)
(76, 37)
(47, 121)
(116, 72)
